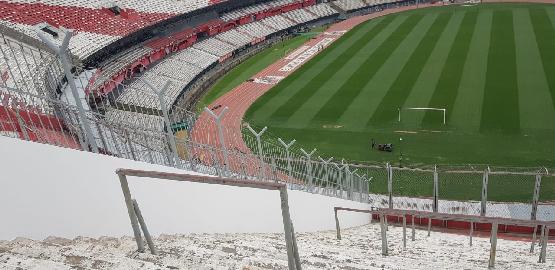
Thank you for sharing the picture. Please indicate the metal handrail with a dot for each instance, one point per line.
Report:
(293, 259)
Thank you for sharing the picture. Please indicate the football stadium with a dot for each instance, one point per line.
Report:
(277, 134)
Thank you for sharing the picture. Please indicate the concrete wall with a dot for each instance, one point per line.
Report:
(46, 190)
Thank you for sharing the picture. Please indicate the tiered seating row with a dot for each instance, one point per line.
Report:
(152, 123)
(215, 47)
(278, 22)
(139, 94)
(300, 16)
(79, 18)
(196, 57)
(234, 37)
(256, 29)
(350, 4)
(119, 63)
(178, 70)
(322, 10)
(148, 6)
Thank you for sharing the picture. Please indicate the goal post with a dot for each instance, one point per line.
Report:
(443, 110)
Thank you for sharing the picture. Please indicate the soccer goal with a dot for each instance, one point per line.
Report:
(441, 110)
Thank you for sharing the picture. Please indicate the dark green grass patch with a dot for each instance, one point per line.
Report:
(545, 38)
(487, 110)
(448, 84)
(400, 90)
(500, 111)
(332, 110)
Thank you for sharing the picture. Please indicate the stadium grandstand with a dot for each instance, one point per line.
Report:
(100, 99)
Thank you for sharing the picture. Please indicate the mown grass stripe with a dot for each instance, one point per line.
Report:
(400, 90)
(545, 38)
(500, 109)
(335, 106)
(356, 115)
(280, 94)
(302, 116)
(473, 81)
(312, 88)
(447, 87)
(535, 98)
(424, 87)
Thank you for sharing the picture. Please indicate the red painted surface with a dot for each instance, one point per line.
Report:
(81, 19)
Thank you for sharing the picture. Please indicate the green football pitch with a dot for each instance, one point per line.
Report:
(491, 66)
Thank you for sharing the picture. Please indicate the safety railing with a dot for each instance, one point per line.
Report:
(137, 219)
(384, 214)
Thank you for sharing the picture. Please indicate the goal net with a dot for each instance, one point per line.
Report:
(439, 110)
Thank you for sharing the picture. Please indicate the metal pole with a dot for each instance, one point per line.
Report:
(144, 228)
(339, 181)
(413, 229)
(258, 135)
(62, 54)
(327, 176)
(309, 166)
(536, 197)
(287, 146)
(218, 120)
(533, 239)
(390, 185)
(545, 239)
(287, 228)
(436, 190)
(131, 212)
(337, 228)
(384, 235)
(404, 232)
(485, 180)
(493, 249)
(429, 226)
(171, 139)
(295, 248)
(471, 231)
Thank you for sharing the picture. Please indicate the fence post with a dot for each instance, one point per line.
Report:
(544, 242)
(436, 190)
(291, 260)
(327, 163)
(404, 231)
(258, 135)
(62, 54)
(413, 236)
(493, 249)
(536, 196)
(485, 180)
(533, 239)
(360, 179)
(337, 228)
(171, 138)
(218, 120)
(384, 234)
(339, 181)
(287, 146)
(390, 184)
(471, 231)
(309, 166)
